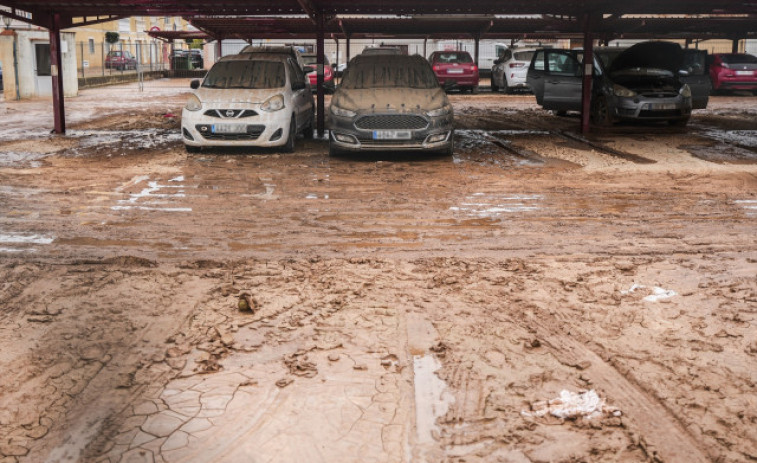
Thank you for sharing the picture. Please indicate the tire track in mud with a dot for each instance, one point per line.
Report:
(660, 433)
(568, 136)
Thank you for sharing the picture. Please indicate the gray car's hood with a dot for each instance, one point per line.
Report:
(392, 99)
(654, 55)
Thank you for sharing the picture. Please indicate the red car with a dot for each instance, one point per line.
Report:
(311, 61)
(733, 71)
(455, 69)
(118, 59)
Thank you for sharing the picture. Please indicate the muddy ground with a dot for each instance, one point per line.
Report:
(540, 296)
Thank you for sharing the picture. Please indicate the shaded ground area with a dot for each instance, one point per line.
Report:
(540, 296)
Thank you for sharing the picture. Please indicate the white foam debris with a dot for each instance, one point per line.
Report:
(484, 205)
(657, 295)
(572, 405)
(180, 178)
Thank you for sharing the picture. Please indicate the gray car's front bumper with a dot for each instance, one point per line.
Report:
(352, 134)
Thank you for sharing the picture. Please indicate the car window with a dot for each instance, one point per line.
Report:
(389, 73)
(524, 55)
(694, 62)
(296, 73)
(741, 58)
(246, 74)
(507, 55)
(562, 64)
(538, 62)
(453, 57)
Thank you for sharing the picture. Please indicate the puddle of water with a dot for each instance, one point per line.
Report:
(432, 400)
(149, 197)
(315, 196)
(750, 205)
(739, 137)
(16, 159)
(482, 205)
(15, 238)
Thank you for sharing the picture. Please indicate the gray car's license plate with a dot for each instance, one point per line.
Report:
(392, 135)
(661, 106)
(229, 128)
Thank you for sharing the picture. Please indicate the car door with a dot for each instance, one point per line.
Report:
(696, 76)
(562, 81)
(537, 71)
(302, 97)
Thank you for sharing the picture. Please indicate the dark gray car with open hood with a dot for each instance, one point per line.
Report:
(651, 81)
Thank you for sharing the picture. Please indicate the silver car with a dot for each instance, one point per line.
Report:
(647, 81)
(390, 102)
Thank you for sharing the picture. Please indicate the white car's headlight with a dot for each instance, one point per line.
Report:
(621, 91)
(685, 91)
(193, 103)
(337, 111)
(443, 111)
(272, 104)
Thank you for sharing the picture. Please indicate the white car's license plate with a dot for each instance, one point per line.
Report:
(229, 128)
(454, 71)
(744, 73)
(662, 106)
(392, 135)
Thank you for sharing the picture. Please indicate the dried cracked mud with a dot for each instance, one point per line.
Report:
(540, 296)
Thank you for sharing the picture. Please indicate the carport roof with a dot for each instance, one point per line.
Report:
(40, 12)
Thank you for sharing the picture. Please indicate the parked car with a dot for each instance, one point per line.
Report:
(251, 99)
(382, 51)
(390, 102)
(643, 82)
(120, 59)
(311, 61)
(455, 70)
(511, 69)
(193, 55)
(277, 49)
(733, 71)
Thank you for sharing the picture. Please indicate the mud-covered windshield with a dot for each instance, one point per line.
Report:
(246, 74)
(389, 72)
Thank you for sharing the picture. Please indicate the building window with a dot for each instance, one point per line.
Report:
(91, 46)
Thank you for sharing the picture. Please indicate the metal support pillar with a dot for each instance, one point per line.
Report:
(219, 49)
(588, 72)
(476, 40)
(734, 45)
(347, 45)
(59, 113)
(425, 49)
(320, 110)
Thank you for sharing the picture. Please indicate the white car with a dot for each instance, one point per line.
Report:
(511, 68)
(249, 100)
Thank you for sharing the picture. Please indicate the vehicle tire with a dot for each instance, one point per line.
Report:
(600, 112)
(450, 149)
(495, 87)
(308, 131)
(508, 89)
(333, 150)
(474, 90)
(679, 122)
(561, 113)
(289, 145)
(192, 149)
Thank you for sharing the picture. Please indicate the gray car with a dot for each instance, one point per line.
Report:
(648, 81)
(390, 102)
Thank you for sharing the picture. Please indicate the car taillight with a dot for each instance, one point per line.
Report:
(474, 68)
(517, 65)
(326, 72)
(436, 67)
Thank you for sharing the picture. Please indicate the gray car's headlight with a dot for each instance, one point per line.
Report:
(621, 91)
(193, 103)
(685, 91)
(443, 111)
(274, 103)
(337, 111)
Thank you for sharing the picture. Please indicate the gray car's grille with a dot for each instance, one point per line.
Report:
(226, 113)
(391, 122)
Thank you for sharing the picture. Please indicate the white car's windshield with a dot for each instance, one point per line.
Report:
(246, 74)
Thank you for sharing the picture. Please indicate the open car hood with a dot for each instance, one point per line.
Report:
(657, 55)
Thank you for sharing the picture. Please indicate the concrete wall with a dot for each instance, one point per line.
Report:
(28, 87)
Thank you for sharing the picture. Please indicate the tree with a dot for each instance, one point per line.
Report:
(112, 37)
